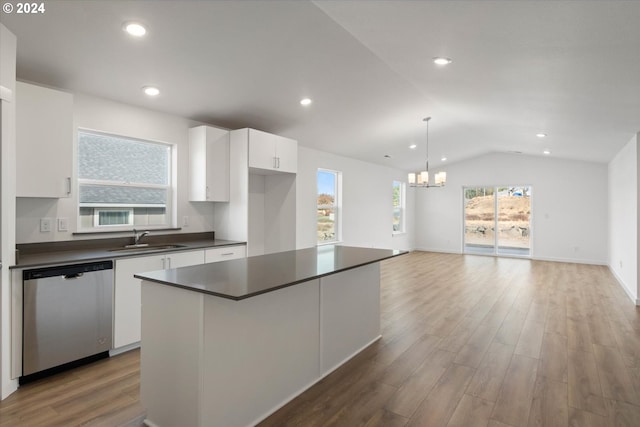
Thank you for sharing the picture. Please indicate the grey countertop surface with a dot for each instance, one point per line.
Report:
(247, 277)
(72, 254)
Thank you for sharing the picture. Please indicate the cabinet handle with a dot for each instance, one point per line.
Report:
(278, 162)
(169, 262)
(207, 193)
(68, 185)
(163, 261)
(227, 254)
(275, 163)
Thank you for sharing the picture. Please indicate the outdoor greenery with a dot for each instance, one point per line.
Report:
(326, 217)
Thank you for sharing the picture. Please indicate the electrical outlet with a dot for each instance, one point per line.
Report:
(45, 225)
(63, 224)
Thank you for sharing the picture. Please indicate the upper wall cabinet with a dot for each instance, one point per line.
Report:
(208, 164)
(44, 141)
(274, 153)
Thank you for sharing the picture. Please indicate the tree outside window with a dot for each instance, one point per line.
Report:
(398, 207)
(328, 229)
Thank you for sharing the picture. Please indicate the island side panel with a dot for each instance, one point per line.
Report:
(350, 314)
(259, 353)
(170, 380)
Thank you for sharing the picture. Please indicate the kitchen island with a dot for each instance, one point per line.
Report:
(228, 343)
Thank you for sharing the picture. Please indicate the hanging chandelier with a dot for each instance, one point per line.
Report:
(421, 179)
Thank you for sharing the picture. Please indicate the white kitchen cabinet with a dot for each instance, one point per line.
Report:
(44, 142)
(127, 299)
(208, 164)
(262, 208)
(224, 254)
(273, 153)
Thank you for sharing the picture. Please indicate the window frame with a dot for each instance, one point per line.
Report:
(403, 208)
(336, 206)
(170, 188)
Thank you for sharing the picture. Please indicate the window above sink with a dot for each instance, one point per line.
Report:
(123, 182)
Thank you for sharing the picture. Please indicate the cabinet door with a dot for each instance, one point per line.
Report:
(208, 164)
(127, 298)
(44, 141)
(183, 259)
(287, 155)
(262, 150)
(224, 254)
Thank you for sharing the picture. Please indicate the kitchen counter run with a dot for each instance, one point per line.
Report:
(72, 252)
(247, 277)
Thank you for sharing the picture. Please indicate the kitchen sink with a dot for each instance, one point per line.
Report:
(145, 247)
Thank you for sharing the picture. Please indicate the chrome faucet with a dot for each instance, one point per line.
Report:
(137, 237)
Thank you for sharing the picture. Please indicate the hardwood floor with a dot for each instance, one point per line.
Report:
(480, 341)
(103, 394)
(467, 341)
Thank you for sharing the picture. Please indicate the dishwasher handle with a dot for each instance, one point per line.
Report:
(73, 276)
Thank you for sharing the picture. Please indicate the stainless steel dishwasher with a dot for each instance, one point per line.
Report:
(67, 317)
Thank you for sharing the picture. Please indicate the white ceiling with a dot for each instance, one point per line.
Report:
(570, 69)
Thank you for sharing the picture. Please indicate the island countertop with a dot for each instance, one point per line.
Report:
(247, 277)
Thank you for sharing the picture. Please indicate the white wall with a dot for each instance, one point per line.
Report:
(569, 205)
(121, 119)
(366, 187)
(623, 217)
(366, 197)
(7, 203)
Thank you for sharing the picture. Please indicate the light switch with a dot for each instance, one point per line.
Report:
(63, 224)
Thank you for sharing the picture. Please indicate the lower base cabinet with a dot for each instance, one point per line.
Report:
(127, 298)
(224, 254)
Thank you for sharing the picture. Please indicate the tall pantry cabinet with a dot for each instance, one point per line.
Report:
(262, 188)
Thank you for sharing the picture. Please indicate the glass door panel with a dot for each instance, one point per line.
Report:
(514, 220)
(479, 220)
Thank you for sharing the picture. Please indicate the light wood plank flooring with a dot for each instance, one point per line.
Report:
(481, 341)
(467, 341)
(103, 394)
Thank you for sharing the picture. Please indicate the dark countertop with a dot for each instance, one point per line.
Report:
(247, 277)
(98, 250)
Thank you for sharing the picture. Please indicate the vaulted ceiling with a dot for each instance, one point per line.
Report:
(569, 69)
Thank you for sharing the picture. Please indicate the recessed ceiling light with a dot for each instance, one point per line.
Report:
(135, 29)
(151, 90)
(305, 101)
(547, 152)
(442, 61)
(541, 135)
(444, 159)
(413, 146)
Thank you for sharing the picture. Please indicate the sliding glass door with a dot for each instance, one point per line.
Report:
(497, 220)
(479, 220)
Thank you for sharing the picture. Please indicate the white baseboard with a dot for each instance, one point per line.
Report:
(624, 286)
(536, 258)
(570, 260)
(438, 250)
(124, 349)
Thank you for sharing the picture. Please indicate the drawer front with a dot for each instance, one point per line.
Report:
(224, 254)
